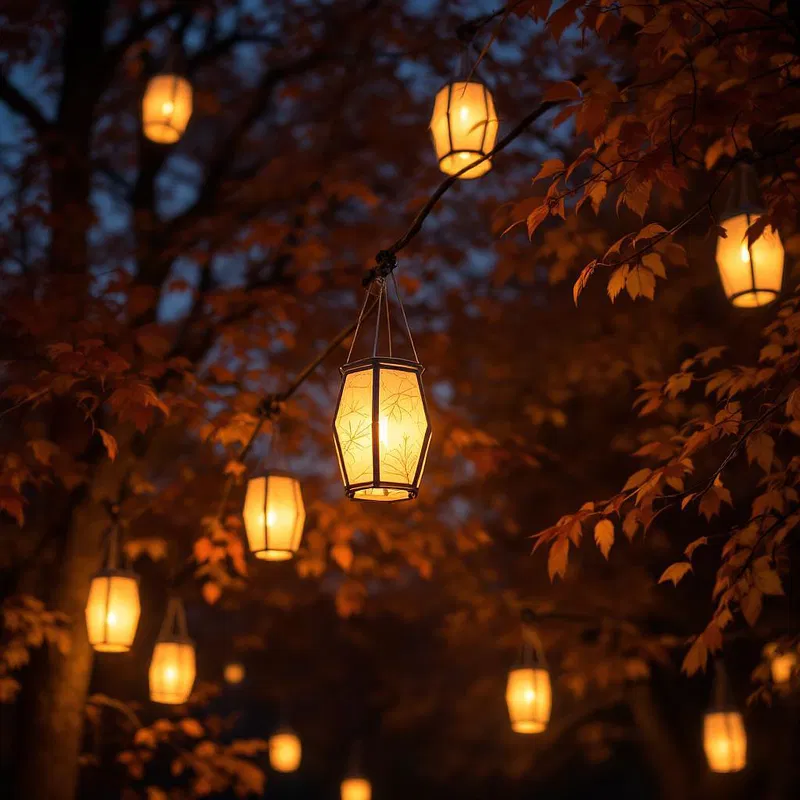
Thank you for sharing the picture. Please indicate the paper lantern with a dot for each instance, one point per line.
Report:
(725, 741)
(172, 668)
(752, 274)
(234, 673)
(274, 516)
(355, 788)
(464, 128)
(381, 427)
(285, 751)
(166, 108)
(529, 698)
(112, 608)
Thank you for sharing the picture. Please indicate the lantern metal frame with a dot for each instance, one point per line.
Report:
(378, 278)
(109, 571)
(266, 476)
(741, 203)
(483, 152)
(174, 630)
(531, 657)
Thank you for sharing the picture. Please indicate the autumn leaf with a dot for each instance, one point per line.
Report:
(557, 558)
(43, 450)
(549, 168)
(191, 727)
(564, 90)
(640, 283)
(751, 606)
(675, 572)
(211, 592)
(765, 577)
(692, 546)
(696, 658)
(109, 442)
(760, 448)
(343, 555)
(604, 536)
(637, 479)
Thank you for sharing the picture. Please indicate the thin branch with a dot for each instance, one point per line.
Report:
(23, 106)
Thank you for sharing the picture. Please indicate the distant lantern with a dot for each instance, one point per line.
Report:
(285, 751)
(381, 427)
(724, 737)
(782, 663)
(464, 128)
(112, 610)
(355, 788)
(274, 516)
(528, 691)
(234, 673)
(166, 108)
(752, 274)
(172, 668)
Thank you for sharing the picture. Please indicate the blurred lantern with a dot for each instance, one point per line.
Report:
(112, 610)
(172, 668)
(782, 663)
(356, 789)
(751, 274)
(724, 737)
(528, 691)
(274, 516)
(381, 428)
(166, 108)
(234, 673)
(464, 128)
(285, 751)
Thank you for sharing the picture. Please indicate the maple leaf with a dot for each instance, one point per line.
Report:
(557, 558)
(110, 443)
(760, 448)
(604, 536)
(675, 572)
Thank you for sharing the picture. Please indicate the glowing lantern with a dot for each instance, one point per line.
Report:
(285, 751)
(274, 516)
(528, 691)
(172, 668)
(752, 274)
(112, 610)
(782, 663)
(725, 741)
(381, 428)
(234, 673)
(166, 108)
(464, 128)
(356, 789)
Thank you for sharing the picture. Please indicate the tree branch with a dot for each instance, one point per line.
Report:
(21, 105)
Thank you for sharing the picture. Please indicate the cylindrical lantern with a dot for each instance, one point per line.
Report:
(725, 741)
(274, 516)
(285, 751)
(782, 663)
(464, 128)
(355, 788)
(529, 695)
(166, 108)
(752, 274)
(172, 668)
(112, 609)
(234, 673)
(381, 427)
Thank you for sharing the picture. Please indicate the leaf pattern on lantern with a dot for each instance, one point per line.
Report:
(402, 412)
(354, 426)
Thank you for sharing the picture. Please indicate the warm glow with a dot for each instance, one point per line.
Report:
(274, 516)
(385, 393)
(172, 672)
(751, 276)
(285, 751)
(781, 664)
(112, 611)
(464, 127)
(356, 789)
(725, 741)
(166, 108)
(234, 673)
(529, 698)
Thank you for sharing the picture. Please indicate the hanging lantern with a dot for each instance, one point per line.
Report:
(782, 663)
(166, 108)
(355, 788)
(381, 428)
(464, 128)
(285, 751)
(752, 274)
(112, 610)
(172, 668)
(528, 691)
(724, 737)
(274, 516)
(234, 673)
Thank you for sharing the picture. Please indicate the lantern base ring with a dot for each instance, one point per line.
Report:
(273, 554)
(754, 298)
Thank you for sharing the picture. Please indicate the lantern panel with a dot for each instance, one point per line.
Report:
(529, 699)
(166, 108)
(356, 789)
(285, 751)
(381, 429)
(725, 741)
(751, 276)
(464, 128)
(112, 611)
(274, 516)
(172, 672)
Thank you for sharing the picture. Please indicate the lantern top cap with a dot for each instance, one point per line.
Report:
(277, 473)
(117, 572)
(382, 361)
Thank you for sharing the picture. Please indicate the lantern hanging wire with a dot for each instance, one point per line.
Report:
(173, 665)
(529, 690)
